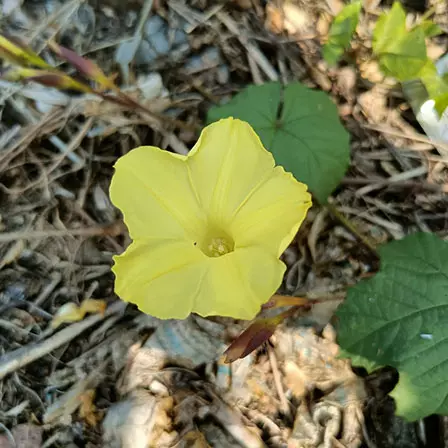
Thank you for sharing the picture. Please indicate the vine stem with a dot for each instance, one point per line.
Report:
(428, 13)
(352, 228)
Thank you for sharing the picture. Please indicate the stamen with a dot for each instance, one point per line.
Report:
(218, 247)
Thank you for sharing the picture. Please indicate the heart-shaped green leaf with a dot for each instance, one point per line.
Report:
(301, 128)
(400, 318)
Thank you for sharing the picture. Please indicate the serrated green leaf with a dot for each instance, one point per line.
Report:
(401, 53)
(430, 28)
(405, 56)
(307, 138)
(389, 26)
(341, 32)
(400, 318)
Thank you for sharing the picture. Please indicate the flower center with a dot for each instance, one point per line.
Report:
(217, 246)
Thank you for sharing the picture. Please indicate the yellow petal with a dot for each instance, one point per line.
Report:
(161, 277)
(238, 283)
(172, 279)
(272, 214)
(242, 191)
(207, 228)
(153, 190)
(227, 163)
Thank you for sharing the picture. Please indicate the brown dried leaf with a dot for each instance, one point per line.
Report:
(93, 306)
(194, 439)
(371, 71)
(310, 362)
(87, 409)
(248, 341)
(316, 358)
(287, 17)
(252, 337)
(295, 379)
(68, 403)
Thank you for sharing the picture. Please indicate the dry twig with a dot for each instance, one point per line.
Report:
(12, 361)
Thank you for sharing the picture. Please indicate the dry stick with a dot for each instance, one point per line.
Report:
(416, 137)
(261, 60)
(48, 289)
(406, 175)
(207, 15)
(428, 13)
(126, 101)
(400, 183)
(263, 420)
(113, 229)
(67, 9)
(284, 407)
(296, 302)
(73, 145)
(12, 361)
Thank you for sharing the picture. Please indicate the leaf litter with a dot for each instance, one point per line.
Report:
(96, 381)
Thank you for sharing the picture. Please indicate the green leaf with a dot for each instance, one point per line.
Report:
(332, 52)
(441, 103)
(400, 318)
(388, 27)
(303, 132)
(341, 32)
(405, 56)
(401, 53)
(368, 364)
(430, 28)
(436, 86)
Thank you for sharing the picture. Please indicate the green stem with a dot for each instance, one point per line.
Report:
(427, 14)
(352, 228)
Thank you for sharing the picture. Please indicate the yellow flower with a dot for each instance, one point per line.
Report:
(207, 228)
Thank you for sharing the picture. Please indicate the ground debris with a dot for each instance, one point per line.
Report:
(311, 368)
(23, 435)
(140, 421)
(124, 379)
